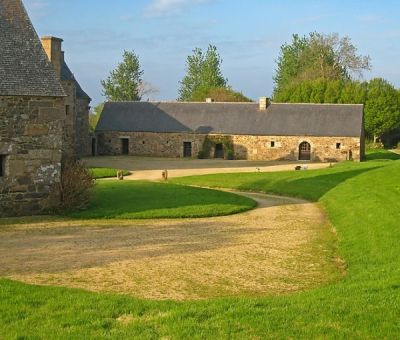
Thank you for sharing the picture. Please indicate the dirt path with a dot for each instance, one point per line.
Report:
(147, 168)
(282, 246)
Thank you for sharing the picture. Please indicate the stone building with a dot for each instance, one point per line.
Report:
(31, 117)
(77, 140)
(252, 131)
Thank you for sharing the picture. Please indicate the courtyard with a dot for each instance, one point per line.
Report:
(150, 168)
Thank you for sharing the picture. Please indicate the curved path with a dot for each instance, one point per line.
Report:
(281, 246)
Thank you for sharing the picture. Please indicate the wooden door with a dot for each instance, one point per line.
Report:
(187, 149)
(219, 151)
(304, 151)
(125, 146)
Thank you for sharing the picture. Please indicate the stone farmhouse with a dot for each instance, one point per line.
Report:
(252, 131)
(43, 115)
(77, 140)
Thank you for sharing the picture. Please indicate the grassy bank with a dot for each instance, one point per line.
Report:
(362, 201)
(144, 200)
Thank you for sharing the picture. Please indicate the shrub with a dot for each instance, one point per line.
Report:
(75, 185)
(201, 155)
(230, 155)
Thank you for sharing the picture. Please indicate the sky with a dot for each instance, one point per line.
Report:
(247, 33)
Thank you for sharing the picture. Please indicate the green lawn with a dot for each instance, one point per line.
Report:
(142, 200)
(362, 202)
(106, 172)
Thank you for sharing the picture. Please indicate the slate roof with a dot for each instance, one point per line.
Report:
(24, 67)
(66, 74)
(233, 118)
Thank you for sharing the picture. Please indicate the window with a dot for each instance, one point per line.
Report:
(2, 165)
(67, 109)
(272, 144)
(338, 145)
(143, 142)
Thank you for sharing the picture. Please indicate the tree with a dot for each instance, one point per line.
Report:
(354, 92)
(318, 56)
(220, 94)
(125, 82)
(203, 72)
(333, 91)
(382, 108)
(94, 116)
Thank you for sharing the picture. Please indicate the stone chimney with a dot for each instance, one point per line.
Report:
(209, 100)
(52, 47)
(264, 103)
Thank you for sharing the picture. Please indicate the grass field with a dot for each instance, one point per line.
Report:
(99, 173)
(144, 200)
(362, 202)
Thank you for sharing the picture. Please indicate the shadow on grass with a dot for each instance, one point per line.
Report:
(382, 155)
(308, 186)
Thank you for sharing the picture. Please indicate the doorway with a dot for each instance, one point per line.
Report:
(304, 151)
(187, 149)
(219, 150)
(125, 146)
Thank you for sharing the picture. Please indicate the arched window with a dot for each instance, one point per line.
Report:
(304, 151)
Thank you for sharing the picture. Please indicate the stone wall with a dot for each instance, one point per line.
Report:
(69, 113)
(82, 130)
(30, 143)
(149, 144)
(323, 149)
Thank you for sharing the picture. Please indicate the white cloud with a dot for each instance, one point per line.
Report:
(169, 7)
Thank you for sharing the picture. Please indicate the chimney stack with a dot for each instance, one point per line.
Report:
(52, 47)
(264, 103)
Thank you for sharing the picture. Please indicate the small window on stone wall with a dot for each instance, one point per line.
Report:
(143, 142)
(2, 165)
(338, 145)
(67, 110)
(272, 144)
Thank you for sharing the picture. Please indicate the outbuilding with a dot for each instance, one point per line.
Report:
(250, 131)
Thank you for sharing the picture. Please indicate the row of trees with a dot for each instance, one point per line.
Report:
(381, 100)
(315, 68)
(326, 69)
(203, 79)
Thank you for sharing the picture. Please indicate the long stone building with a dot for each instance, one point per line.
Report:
(32, 111)
(252, 131)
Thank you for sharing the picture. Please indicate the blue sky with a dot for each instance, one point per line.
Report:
(248, 35)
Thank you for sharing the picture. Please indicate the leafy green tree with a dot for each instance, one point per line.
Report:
(125, 82)
(333, 91)
(354, 92)
(318, 92)
(94, 116)
(317, 56)
(220, 94)
(203, 72)
(382, 108)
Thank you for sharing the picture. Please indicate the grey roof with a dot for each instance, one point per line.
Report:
(233, 118)
(24, 67)
(66, 74)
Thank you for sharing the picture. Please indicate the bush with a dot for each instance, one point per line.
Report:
(201, 155)
(230, 155)
(75, 185)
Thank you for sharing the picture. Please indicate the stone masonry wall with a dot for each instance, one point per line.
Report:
(30, 146)
(149, 143)
(69, 113)
(82, 135)
(323, 149)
